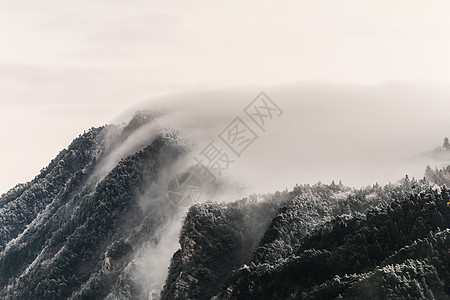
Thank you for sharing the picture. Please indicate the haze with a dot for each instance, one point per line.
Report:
(358, 135)
(369, 78)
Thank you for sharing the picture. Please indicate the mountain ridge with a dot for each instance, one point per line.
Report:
(97, 223)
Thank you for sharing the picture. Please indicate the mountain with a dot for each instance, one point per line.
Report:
(74, 231)
(325, 242)
(396, 252)
(100, 222)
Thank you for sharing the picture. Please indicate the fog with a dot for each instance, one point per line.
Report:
(358, 134)
(68, 66)
(153, 260)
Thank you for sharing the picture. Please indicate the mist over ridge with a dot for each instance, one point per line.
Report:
(357, 134)
(256, 150)
(118, 215)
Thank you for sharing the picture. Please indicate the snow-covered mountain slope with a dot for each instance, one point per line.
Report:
(101, 222)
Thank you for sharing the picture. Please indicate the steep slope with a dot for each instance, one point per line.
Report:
(21, 205)
(73, 231)
(376, 250)
(212, 237)
(215, 239)
(97, 223)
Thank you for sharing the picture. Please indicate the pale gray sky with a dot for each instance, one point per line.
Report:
(68, 65)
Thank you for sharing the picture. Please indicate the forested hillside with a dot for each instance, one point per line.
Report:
(73, 230)
(325, 242)
(97, 223)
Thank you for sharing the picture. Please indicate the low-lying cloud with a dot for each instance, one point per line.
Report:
(360, 135)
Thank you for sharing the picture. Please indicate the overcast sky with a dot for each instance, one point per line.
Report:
(66, 66)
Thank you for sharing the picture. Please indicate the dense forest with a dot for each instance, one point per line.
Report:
(73, 231)
(96, 223)
(324, 242)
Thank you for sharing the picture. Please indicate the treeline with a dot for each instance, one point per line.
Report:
(397, 251)
(71, 234)
(82, 254)
(212, 261)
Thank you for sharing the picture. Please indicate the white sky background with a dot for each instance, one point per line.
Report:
(66, 66)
